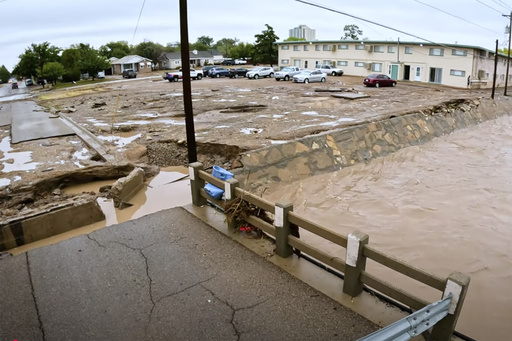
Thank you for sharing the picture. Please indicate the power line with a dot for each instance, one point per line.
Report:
(494, 9)
(500, 4)
(504, 3)
(455, 16)
(136, 26)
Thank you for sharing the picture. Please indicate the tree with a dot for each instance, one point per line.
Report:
(205, 40)
(92, 63)
(503, 50)
(242, 51)
(265, 49)
(225, 44)
(295, 39)
(44, 53)
(352, 32)
(52, 71)
(149, 50)
(70, 59)
(4, 74)
(173, 47)
(117, 49)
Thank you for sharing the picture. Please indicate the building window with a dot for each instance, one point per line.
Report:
(377, 67)
(141, 65)
(296, 47)
(391, 49)
(436, 52)
(463, 53)
(285, 61)
(318, 48)
(326, 62)
(359, 64)
(342, 63)
(317, 63)
(459, 73)
(343, 47)
(408, 50)
(378, 49)
(148, 64)
(360, 47)
(285, 47)
(306, 47)
(435, 75)
(327, 47)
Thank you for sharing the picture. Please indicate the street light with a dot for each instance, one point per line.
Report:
(508, 58)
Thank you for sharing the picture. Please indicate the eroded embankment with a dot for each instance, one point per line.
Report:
(333, 150)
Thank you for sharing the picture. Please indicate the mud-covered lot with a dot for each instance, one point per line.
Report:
(142, 120)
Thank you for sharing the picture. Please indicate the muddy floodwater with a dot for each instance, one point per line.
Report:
(444, 206)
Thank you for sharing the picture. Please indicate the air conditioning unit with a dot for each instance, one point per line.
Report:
(368, 66)
(369, 48)
(482, 74)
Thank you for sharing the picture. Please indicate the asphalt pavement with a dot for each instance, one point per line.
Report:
(165, 276)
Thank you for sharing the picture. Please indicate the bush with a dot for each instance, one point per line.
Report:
(71, 75)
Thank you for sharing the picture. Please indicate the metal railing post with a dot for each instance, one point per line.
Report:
(196, 183)
(282, 225)
(456, 284)
(355, 263)
(229, 192)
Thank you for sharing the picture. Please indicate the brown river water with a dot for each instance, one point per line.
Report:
(444, 206)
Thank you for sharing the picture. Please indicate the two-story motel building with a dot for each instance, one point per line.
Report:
(447, 64)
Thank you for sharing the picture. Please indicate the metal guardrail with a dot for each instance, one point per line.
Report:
(414, 324)
(357, 252)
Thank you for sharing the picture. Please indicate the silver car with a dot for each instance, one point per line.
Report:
(260, 72)
(307, 76)
(287, 73)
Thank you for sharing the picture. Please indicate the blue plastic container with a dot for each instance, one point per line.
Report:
(221, 173)
(213, 191)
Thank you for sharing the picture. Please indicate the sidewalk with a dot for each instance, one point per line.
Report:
(165, 276)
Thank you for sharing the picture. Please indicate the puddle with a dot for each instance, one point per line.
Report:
(150, 115)
(310, 113)
(275, 97)
(249, 131)
(224, 100)
(277, 116)
(119, 140)
(14, 97)
(244, 90)
(4, 182)
(170, 188)
(82, 154)
(277, 141)
(15, 161)
(220, 127)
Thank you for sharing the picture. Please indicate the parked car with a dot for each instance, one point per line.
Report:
(330, 70)
(307, 76)
(206, 70)
(240, 61)
(228, 62)
(217, 72)
(378, 80)
(237, 72)
(29, 82)
(260, 72)
(14, 85)
(287, 73)
(129, 73)
(100, 75)
(177, 75)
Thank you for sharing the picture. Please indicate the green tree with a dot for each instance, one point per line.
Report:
(70, 59)
(52, 71)
(225, 44)
(295, 39)
(265, 48)
(4, 74)
(352, 32)
(503, 50)
(116, 49)
(44, 53)
(173, 47)
(205, 40)
(92, 63)
(149, 50)
(242, 51)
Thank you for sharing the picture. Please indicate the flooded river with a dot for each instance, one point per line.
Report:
(444, 206)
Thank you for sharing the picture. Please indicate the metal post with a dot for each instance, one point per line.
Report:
(457, 285)
(355, 263)
(282, 225)
(495, 70)
(187, 88)
(196, 183)
(229, 191)
(508, 58)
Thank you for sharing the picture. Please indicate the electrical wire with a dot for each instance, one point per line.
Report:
(455, 16)
(504, 3)
(138, 20)
(499, 4)
(494, 9)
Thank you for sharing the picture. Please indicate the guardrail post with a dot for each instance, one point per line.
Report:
(456, 284)
(282, 225)
(196, 183)
(355, 263)
(229, 193)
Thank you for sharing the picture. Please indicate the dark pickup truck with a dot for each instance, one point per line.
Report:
(129, 74)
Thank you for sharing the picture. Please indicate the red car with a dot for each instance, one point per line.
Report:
(378, 80)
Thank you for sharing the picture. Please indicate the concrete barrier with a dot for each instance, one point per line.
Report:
(125, 188)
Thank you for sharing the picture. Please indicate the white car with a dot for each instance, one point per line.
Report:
(307, 76)
(260, 72)
(287, 73)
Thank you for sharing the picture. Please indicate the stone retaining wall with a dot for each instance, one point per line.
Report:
(333, 150)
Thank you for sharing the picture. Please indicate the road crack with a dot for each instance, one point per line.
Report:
(41, 327)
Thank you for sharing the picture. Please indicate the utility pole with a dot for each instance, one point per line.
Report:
(187, 88)
(495, 70)
(508, 59)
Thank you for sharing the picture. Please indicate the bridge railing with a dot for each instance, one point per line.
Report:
(355, 244)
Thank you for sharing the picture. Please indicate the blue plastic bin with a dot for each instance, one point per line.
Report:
(221, 173)
(214, 191)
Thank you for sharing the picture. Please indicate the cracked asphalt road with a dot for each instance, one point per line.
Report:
(166, 276)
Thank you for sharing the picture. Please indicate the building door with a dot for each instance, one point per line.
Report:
(296, 62)
(417, 73)
(393, 71)
(305, 64)
(407, 72)
(435, 75)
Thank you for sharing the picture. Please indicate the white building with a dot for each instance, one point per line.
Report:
(447, 64)
(302, 31)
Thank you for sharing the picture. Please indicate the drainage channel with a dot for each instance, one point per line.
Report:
(169, 188)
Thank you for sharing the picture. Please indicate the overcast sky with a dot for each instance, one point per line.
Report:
(66, 22)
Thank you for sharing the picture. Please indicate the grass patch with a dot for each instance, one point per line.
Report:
(61, 85)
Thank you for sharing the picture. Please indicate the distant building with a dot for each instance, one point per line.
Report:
(302, 31)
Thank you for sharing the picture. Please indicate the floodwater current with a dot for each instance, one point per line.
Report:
(444, 206)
